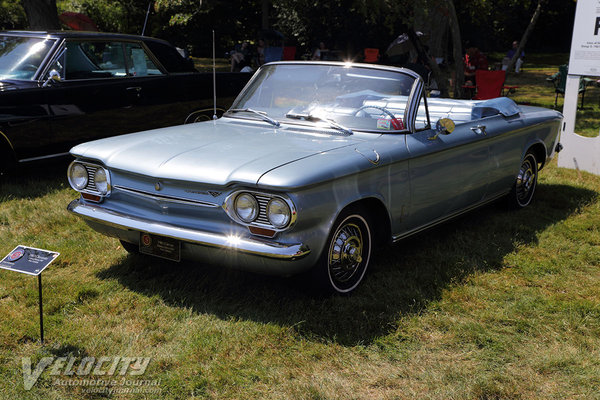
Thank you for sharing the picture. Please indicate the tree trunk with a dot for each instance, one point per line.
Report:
(456, 49)
(425, 57)
(41, 14)
(431, 18)
(523, 41)
(265, 14)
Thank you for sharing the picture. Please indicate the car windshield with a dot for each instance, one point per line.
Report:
(338, 96)
(20, 57)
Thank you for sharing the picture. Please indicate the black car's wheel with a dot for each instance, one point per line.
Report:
(347, 253)
(525, 184)
(6, 162)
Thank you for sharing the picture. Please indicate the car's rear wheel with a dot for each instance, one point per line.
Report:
(525, 184)
(346, 257)
(6, 161)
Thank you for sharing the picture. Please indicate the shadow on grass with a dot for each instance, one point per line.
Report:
(403, 279)
(34, 180)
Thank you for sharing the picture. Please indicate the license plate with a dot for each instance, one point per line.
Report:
(160, 246)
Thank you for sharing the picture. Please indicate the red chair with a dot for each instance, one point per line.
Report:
(289, 53)
(371, 55)
(489, 84)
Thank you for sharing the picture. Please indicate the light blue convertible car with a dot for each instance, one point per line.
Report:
(314, 164)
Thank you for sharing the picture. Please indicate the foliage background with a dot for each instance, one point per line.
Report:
(348, 25)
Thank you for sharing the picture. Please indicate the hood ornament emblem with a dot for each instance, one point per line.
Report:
(158, 186)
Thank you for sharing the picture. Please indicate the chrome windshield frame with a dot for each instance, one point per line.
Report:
(416, 91)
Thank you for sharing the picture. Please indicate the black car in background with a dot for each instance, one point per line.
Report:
(58, 89)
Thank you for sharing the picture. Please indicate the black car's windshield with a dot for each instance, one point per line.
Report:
(352, 97)
(20, 57)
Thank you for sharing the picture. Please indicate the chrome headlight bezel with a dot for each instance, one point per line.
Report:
(92, 170)
(73, 179)
(261, 220)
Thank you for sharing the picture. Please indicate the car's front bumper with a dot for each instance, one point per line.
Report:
(240, 252)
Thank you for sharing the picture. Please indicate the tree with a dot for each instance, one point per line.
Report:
(456, 48)
(12, 15)
(41, 14)
(525, 37)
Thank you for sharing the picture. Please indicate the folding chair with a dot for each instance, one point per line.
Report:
(559, 80)
(489, 84)
(289, 53)
(371, 55)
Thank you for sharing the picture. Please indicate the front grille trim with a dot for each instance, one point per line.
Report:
(163, 197)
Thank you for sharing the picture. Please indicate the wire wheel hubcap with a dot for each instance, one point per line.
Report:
(346, 252)
(526, 181)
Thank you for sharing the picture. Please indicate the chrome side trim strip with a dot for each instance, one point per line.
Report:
(421, 228)
(43, 157)
(255, 246)
(162, 197)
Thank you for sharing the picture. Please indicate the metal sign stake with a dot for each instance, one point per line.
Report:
(41, 309)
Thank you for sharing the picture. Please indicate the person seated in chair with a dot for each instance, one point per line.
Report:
(474, 60)
(510, 54)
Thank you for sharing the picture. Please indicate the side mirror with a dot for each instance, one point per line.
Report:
(53, 76)
(444, 126)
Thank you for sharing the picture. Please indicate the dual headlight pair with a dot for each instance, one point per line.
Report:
(89, 178)
(248, 209)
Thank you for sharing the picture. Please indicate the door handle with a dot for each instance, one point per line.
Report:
(479, 129)
(135, 89)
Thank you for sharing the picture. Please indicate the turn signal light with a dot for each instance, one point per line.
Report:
(91, 197)
(255, 230)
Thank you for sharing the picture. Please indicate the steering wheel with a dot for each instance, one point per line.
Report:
(30, 67)
(385, 110)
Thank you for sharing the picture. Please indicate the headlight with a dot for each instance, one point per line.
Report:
(78, 176)
(246, 207)
(101, 181)
(278, 213)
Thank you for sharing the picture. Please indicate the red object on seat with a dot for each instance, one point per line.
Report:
(489, 84)
(371, 55)
(289, 53)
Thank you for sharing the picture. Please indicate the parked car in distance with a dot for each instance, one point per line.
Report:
(58, 89)
(314, 164)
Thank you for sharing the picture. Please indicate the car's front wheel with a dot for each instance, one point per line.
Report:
(346, 256)
(525, 184)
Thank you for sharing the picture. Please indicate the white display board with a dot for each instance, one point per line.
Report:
(585, 45)
(582, 153)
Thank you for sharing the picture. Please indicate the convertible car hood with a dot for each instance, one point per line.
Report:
(218, 153)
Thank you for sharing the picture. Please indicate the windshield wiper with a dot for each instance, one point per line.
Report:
(310, 117)
(263, 115)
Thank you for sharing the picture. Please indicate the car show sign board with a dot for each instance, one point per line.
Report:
(581, 153)
(30, 261)
(585, 45)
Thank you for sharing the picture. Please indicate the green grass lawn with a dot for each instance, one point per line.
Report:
(495, 305)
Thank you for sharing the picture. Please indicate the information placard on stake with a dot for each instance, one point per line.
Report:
(30, 261)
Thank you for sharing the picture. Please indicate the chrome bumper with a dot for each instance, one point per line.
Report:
(252, 246)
